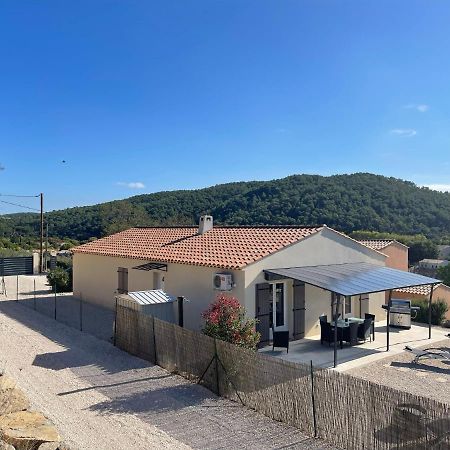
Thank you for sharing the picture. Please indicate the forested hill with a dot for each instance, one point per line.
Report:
(359, 201)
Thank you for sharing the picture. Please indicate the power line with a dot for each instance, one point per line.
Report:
(19, 196)
(20, 206)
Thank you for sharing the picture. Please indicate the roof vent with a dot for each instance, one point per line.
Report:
(205, 224)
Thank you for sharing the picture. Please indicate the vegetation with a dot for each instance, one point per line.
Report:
(438, 309)
(225, 319)
(61, 276)
(443, 273)
(359, 201)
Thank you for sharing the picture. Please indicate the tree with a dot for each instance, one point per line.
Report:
(225, 319)
(61, 279)
(443, 273)
(422, 249)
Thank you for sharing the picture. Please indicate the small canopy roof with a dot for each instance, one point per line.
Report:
(151, 297)
(352, 278)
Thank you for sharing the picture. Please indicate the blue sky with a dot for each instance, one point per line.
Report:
(140, 96)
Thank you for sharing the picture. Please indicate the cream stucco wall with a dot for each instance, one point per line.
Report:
(95, 278)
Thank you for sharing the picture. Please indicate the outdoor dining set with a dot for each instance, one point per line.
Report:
(352, 330)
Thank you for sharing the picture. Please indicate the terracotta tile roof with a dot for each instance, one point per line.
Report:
(224, 247)
(379, 244)
(423, 290)
(418, 290)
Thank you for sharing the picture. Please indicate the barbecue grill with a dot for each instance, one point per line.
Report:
(401, 313)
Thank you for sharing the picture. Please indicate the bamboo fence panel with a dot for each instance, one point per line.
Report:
(350, 412)
(278, 389)
(185, 352)
(357, 414)
(134, 333)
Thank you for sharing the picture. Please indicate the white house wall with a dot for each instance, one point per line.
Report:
(95, 279)
(325, 247)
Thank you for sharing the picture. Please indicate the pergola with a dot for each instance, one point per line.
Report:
(351, 279)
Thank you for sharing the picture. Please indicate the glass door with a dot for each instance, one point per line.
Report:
(278, 305)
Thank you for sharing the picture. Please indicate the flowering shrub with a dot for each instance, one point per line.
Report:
(225, 319)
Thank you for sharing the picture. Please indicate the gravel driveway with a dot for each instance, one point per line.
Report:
(428, 378)
(103, 398)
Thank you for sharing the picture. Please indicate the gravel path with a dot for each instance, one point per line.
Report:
(102, 398)
(429, 378)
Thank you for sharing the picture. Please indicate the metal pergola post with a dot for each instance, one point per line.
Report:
(429, 310)
(387, 319)
(336, 313)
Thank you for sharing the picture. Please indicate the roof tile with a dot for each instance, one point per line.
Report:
(224, 247)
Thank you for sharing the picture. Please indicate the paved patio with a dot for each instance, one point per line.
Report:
(305, 350)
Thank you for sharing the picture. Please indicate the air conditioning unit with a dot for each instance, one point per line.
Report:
(223, 281)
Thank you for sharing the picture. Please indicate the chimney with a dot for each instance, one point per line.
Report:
(205, 224)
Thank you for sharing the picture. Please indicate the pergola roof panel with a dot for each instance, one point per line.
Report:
(353, 278)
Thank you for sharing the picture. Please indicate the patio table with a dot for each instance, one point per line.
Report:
(344, 323)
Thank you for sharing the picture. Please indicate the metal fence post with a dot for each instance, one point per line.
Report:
(154, 339)
(115, 325)
(55, 300)
(17, 288)
(216, 356)
(81, 311)
(34, 293)
(313, 401)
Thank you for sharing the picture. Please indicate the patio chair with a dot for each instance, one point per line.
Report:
(327, 333)
(350, 333)
(280, 339)
(431, 353)
(364, 330)
(371, 316)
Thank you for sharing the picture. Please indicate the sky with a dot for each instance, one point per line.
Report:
(103, 99)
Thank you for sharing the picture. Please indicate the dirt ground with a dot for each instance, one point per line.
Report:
(428, 378)
(105, 399)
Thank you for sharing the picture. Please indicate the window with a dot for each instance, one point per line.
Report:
(277, 307)
(122, 280)
(279, 304)
(348, 305)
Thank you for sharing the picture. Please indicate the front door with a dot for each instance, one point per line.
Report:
(299, 310)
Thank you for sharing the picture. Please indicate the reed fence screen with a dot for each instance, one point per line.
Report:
(348, 412)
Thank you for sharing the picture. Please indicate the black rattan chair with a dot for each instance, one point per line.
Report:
(364, 330)
(371, 316)
(327, 333)
(350, 333)
(280, 339)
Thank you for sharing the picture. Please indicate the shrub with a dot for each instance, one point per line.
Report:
(225, 319)
(61, 279)
(438, 310)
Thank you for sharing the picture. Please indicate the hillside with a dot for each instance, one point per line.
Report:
(360, 201)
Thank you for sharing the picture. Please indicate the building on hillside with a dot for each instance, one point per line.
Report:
(286, 277)
(396, 252)
(429, 267)
(440, 292)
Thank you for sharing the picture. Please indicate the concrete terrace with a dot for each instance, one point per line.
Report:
(309, 349)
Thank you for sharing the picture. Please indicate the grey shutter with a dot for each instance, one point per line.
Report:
(122, 278)
(263, 301)
(299, 310)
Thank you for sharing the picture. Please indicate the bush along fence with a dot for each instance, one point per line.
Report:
(346, 411)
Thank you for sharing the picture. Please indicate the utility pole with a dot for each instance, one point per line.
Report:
(41, 242)
(46, 245)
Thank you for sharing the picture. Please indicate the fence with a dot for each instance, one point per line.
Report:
(65, 307)
(346, 411)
